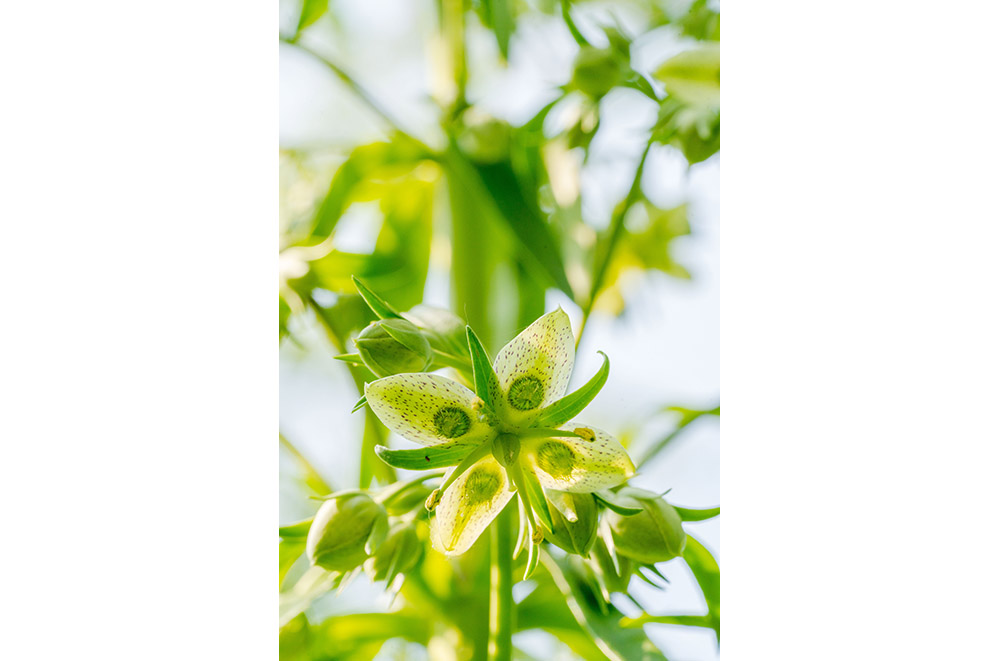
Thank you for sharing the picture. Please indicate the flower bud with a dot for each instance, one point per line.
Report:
(653, 535)
(597, 70)
(574, 521)
(393, 346)
(345, 531)
(398, 554)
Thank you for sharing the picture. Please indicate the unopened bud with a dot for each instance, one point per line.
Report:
(653, 535)
(574, 521)
(394, 346)
(585, 434)
(398, 554)
(345, 531)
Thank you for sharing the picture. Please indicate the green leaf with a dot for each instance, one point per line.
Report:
(498, 15)
(375, 302)
(523, 217)
(360, 405)
(312, 11)
(289, 550)
(364, 162)
(485, 378)
(311, 586)
(697, 515)
(438, 456)
(682, 620)
(706, 571)
(295, 530)
(340, 631)
(616, 642)
(565, 409)
(619, 504)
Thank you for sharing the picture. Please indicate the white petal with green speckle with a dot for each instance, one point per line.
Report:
(578, 465)
(534, 368)
(469, 505)
(428, 409)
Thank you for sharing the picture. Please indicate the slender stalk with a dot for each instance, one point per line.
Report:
(501, 586)
(358, 90)
(615, 231)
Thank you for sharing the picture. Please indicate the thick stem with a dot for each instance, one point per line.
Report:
(501, 585)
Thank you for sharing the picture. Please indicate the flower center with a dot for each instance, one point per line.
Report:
(526, 393)
(506, 447)
(451, 422)
(556, 459)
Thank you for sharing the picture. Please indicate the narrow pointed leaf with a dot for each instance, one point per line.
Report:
(706, 571)
(528, 482)
(487, 384)
(298, 529)
(697, 515)
(352, 358)
(360, 405)
(616, 503)
(565, 409)
(436, 456)
(375, 302)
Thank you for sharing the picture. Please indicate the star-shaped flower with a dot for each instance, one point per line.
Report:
(514, 432)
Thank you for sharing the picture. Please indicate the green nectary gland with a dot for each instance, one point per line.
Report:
(481, 486)
(556, 459)
(526, 393)
(452, 422)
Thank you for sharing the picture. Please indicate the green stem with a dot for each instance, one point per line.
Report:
(615, 232)
(501, 586)
(686, 420)
(358, 90)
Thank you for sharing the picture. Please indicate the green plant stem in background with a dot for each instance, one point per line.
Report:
(313, 479)
(615, 231)
(687, 418)
(501, 585)
(358, 91)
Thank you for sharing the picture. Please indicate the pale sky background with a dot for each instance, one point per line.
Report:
(664, 350)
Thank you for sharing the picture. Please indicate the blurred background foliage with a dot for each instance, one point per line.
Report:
(495, 154)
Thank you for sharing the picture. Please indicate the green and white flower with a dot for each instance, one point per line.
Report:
(513, 434)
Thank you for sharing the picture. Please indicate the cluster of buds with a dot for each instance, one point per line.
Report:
(378, 531)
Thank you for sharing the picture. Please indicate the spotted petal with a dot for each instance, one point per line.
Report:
(469, 505)
(535, 367)
(428, 409)
(578, 465)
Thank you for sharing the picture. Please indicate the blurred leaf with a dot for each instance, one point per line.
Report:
(693, 76)
(486, 382)
(498, 15)
(311, 586)
(522, 216)
(697, 515)
(706, 571)
(311, 476)
(312, 11)
(380, 159)
(700, 22)
(688, 416)
(695, 130)
(619, 644)
(289, 550)
(295, 530)
(645, 249)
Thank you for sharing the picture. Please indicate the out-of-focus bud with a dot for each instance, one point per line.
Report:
(574, 521)
(597, 70)
(653, 535)
(393, 346)
(398, 554)
(346, 530)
